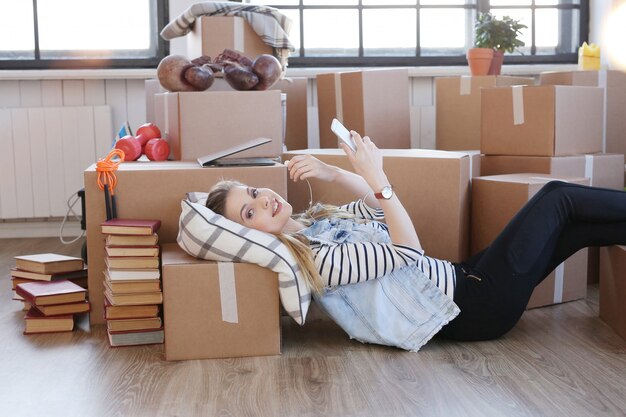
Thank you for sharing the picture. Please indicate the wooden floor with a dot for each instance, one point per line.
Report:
(558, 361)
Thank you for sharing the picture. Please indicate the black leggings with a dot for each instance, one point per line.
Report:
(494, 286)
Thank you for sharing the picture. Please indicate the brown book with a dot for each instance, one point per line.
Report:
(151, 285)
(48, 263)
(135, 337)
(139, 298)
(18, 273)
(129, 312)
(51, 292)
(132, 240)
(133, 274)
(122, 325)
(132, 251)
(130, 226)
(38, 323)
(122, 262)
(63, 309)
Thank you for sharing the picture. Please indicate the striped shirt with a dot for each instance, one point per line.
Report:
(341, 263)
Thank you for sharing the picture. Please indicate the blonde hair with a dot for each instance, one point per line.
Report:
(298, 244)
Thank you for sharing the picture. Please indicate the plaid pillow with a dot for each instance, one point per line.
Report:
(207, 235)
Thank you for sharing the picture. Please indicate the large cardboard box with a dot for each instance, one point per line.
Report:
(154, 190)
(613, 288)
(603, 170)
(372, 102)
(541, 120)
(199, 123)
(457, 103)
(296, 111)
(212, 34)
(614, 83)
(433, 186)
(495, 201)
(218, 309)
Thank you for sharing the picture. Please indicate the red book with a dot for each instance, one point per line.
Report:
(51, 292)
(38, 323)
(130, 226)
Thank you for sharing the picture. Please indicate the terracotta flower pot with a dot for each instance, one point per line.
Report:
(496, 63)
(479, 60)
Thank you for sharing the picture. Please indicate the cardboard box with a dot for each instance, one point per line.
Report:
(541, 120)
(495, 201)
(457, 102)
(154, 190)
(372, 102)
(296, 111)
(199, 123)
(614, 82)
(433, 186)
(218, 310)
(603, 170)
(212, 34)
(613, 288)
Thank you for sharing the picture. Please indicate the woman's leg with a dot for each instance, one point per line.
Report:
(559, 220)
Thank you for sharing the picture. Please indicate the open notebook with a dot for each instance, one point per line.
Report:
(218, 159)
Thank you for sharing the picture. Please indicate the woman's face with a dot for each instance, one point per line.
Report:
(257, 208)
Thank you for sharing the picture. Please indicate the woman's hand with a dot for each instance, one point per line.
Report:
(302, 167)
(367, 161)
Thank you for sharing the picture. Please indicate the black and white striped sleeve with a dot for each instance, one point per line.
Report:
(361, 210)
(349, 263)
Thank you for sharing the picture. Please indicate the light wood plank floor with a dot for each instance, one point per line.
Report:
(558, 361)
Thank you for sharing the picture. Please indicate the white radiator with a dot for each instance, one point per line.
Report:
(43, 153)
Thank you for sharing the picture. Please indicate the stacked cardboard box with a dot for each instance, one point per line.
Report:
(132, 285)
(613, 288)
(218, 310)
(372, 102)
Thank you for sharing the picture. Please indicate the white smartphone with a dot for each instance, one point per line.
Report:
(343, 134)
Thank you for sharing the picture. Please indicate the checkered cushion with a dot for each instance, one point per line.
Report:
(207, 235)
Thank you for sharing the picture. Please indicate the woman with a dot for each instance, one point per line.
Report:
(415, 296)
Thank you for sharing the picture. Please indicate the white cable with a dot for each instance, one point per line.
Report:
(70, 209)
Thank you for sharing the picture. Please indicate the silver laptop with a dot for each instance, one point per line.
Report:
(217, 159)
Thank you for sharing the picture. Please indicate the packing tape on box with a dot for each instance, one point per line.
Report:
(558, 283)
(338, 99)
(518, 104)
(602, 83)
(589, 168)
(465, 85)
(228, 292)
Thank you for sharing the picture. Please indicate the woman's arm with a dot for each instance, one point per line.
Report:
(367, 161)
(302, 167)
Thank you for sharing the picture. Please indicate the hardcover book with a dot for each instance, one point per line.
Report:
(63, 309)
(48, 263)
(140, 298)
(130, 226)
(129, 286)
(132, 240)
(123, 262)
(123, 325)
(132, 251)
(135, 337)
(129, 312)
(38, 323)
(18, 273)
(133, 274)
(51, 292)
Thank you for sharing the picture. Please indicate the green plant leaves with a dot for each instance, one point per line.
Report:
(499, 34)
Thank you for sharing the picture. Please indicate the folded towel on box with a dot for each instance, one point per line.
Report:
(272, 26)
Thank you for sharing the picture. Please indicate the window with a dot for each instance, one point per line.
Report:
(425, 32)
(40, 34)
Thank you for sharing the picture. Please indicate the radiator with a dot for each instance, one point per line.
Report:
(43, 153)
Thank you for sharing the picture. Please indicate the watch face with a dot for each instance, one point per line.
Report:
(387, 192)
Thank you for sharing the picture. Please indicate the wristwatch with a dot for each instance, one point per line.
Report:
(385, 194)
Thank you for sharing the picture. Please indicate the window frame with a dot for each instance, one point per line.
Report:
(302, 60)
(38, 63)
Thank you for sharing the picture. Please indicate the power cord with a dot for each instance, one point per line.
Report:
(70, 210)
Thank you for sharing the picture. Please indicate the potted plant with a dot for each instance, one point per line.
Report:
(497, 35)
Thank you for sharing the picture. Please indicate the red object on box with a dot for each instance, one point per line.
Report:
(157, 149)
(130, 146)
(147, 131)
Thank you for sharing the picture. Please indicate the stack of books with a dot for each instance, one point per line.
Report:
(46, 267)
(53, 305)
(132, 282)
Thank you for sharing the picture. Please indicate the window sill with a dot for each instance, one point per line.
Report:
(147, 73)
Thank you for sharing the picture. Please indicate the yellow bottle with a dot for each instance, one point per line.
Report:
(589, 57)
